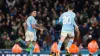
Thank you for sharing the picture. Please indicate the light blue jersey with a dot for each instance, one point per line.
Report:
(67, 20)
(31, 20)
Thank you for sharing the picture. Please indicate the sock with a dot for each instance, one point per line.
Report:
(31, 49)
(70, 43)
(23, 42)
(59, 45)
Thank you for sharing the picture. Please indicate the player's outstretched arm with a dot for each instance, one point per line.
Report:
(36, 27)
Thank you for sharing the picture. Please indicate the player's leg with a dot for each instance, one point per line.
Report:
(26, 40)
(22, 41)
(68, 46)
(32, 43)
(28, 36)
(65, 45)
(61, 42)
(62, 38)
(31, 46)
(69, 43)
(71, 39)
(66, 42)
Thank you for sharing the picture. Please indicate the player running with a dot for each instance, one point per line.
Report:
(31, 27)
(68, 27)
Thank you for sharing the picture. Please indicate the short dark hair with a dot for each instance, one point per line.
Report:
(71, 6)
(33, 10)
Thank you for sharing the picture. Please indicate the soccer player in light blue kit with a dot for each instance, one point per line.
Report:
(31, 27)
(68, 27)
(31, 30)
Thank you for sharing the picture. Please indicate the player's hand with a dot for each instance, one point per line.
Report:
(41, 31)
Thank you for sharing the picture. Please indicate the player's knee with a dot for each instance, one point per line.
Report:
(62, 39)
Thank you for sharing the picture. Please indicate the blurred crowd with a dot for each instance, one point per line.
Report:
(13, 14)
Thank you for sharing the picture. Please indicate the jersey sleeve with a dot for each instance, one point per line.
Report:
(32, 20)
(74, 23)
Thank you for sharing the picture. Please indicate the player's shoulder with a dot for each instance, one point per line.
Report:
(68, 13)
(73, 13)
(64, 13)
(30, 17)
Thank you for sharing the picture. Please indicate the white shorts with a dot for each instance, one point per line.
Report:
(30, 36)
(66, 34)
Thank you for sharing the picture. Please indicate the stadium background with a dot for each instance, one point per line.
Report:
(13, 14)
